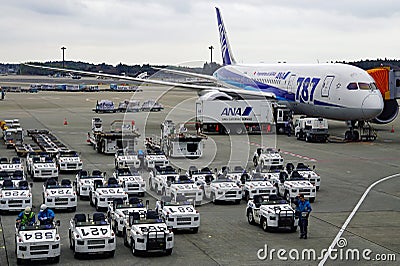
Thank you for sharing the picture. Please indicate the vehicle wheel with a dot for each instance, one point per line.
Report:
(168, 251)
(264, 224)
(96, 205)
(293, 229)
(73, 209)
(312, 200)
(77, 255)
(287, 196)
(151, 184)
(307, 139)
(71, 243)
(213, 199)
(126, 243)
(247, 196)
(20, 261)
(198, 203)
(133, 249)
(356, 136)
(250, 217)
(195, 230)
(317, 188)
(156, 188)
(141, 194)
(117, 232)
(163, 192)
(112, 253)
(77, 191)
(237, 201)
(56, 259)
(255, 162)
(90, 199)
(298, 136)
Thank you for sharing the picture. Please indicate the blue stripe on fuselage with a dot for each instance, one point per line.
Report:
(249, 84)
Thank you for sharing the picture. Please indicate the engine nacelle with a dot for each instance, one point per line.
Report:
(389, 113)
(211, 95)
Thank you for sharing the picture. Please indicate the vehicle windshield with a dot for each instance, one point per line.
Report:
(69, 154)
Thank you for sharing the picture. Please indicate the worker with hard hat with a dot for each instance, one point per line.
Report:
(45, 216)
(26, 217)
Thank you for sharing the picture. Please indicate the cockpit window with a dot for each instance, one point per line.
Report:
(373, 86)
(363, 86)
(352, 86)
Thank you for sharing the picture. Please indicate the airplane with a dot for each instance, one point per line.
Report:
(332, 90)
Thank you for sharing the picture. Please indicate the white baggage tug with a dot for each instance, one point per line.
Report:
(37, 242)
(84, 182)
(118, 212)
(102, 194)
(15, 197)
(59, 195)
(69, 161)
(91, 236)
(271, 213)
(131, 181)
(148, 235)
(178, 213)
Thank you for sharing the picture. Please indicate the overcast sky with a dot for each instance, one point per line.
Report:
(178, 31)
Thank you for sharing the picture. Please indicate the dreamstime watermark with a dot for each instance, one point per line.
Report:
(341, 253)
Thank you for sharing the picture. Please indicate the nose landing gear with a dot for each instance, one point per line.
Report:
(367, 131)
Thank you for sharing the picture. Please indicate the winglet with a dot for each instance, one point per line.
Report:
(227, 56)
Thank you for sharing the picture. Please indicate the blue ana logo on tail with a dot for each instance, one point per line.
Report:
(227, 57)
(229, 111)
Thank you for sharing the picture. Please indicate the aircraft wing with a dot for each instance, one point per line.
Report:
(229, 90)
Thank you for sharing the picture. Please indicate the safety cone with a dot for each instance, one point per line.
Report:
(65, 122)
(392, 131)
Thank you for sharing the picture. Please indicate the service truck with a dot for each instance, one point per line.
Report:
(234, 116)
(311, 129)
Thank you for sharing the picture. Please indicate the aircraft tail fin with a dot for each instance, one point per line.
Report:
(227, 56)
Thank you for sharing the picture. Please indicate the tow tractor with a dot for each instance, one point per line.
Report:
(289, 188)
(13, 133)
(118, 212)
(102, 194)
(200, 174)
(271, 213)
(126, 158)
(84, 182)
(256, 185)
(182, 186)
(221, 189)
(69, 160)
(15, 197)
(148, 235)
(42, 167)
(91, 235)
(306, 172)
(159, 176)
(131, 181)
(178, 213)
(267, 157)
(121, 134)
(37, 242)
(12, 169)
(59, 195)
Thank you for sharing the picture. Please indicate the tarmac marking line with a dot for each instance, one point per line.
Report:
(346, 223)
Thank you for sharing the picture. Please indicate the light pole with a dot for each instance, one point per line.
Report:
(211, 48)
(63, 50)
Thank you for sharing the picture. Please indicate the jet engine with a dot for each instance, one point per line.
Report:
(389, 113)
(210, 95)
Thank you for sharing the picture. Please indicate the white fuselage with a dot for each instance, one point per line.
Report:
(310, 89)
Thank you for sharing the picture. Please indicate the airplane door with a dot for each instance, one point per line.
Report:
(291, 87)
(326, 86)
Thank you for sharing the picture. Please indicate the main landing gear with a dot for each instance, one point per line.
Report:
(367, 131)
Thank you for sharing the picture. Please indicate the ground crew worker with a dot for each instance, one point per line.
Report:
(45, 216)
(26, 217)
(303, 209)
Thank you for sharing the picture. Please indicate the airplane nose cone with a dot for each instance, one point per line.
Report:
(372, 105)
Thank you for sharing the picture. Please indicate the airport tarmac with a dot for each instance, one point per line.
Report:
(225, 237)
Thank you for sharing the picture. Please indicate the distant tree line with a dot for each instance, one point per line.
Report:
(134, 70)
